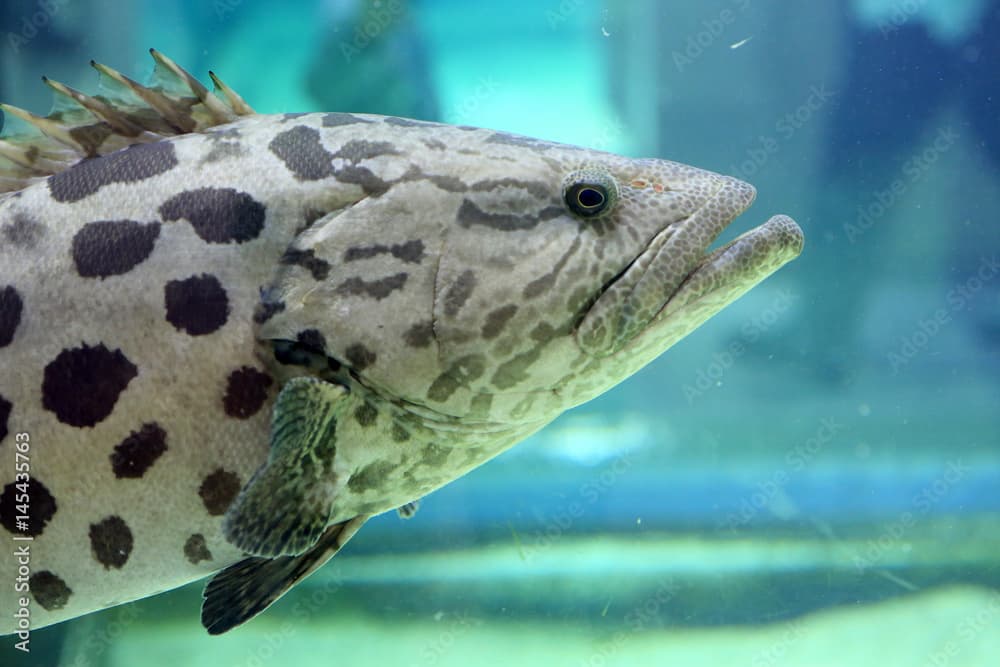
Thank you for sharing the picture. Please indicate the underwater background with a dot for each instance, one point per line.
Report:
(812, 478)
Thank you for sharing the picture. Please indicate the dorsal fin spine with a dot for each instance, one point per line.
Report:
(219, 111)
(101, 110)
(235, 101)
(97, 125)
(46, 126)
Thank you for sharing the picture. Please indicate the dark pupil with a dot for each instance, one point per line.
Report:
(589, 198)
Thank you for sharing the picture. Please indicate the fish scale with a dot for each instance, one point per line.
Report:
(227, 339)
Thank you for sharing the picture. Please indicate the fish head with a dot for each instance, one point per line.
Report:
(504, 279)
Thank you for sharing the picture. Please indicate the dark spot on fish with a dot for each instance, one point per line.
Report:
(514, 371)
(359, 356)
(372, 476)
(23, 231)
(111, 542)
(356, 150)
(362, 176)
(366, 414)
(112, 247)
(543, 332)
(335, 119)
(420, 334)
(460, 374)
(135, 163)
(246, 392)
(447, 183)
(11, 307)
(265, 311)
(398, 433)
(468, 368)
(196, 550)
(459, 292)
(319, 268)
(497, 319)
(218, 215)
(218, 491)
(303, 153)
(222, 150)
(469, 213)
(40, 502)
(291, 353)
(82, 385)
(312, 339)
(442, 388)
(411, 251)
(134, 455)
(5, 408)
(376, 289)
(480, 405)
(49, 590)
(197, 305)
(434, 455)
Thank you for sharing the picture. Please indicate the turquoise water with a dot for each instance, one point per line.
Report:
(812, 478)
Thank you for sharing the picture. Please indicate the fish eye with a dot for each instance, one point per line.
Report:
(589, 193)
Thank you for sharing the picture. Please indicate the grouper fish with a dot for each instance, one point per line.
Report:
(227, 339)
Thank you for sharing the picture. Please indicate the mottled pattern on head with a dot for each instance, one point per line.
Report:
(500, 300)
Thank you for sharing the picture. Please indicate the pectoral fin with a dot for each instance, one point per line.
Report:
(243, 590)
(286, 505)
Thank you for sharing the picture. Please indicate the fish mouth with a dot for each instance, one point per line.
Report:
(675, 284)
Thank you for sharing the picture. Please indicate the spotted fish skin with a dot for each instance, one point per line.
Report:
(155, 299)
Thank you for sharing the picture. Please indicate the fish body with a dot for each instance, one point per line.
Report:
(227, 339)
